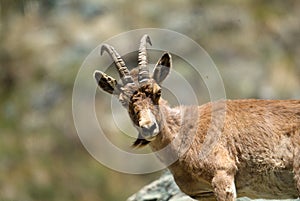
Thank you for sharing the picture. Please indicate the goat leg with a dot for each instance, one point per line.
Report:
(223, 186)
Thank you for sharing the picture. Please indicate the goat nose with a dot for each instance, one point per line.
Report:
(149, 129)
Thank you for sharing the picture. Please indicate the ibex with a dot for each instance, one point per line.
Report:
(256, 152)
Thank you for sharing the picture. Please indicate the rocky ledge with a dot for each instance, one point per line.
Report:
(165, 189)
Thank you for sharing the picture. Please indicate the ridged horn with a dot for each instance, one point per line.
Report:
(143, 59)
(120, 64)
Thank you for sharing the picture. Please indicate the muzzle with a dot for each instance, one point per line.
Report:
(148, 126)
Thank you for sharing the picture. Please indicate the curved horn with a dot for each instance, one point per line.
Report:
(143, 60)
(120, 64)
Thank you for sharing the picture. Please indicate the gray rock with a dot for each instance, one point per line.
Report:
(165, 189)
(161, 190)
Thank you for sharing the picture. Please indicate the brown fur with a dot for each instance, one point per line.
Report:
(258, 149)
(248, 147)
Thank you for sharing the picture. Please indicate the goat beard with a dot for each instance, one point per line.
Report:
(140, 142)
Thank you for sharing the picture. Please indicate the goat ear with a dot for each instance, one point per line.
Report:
(162, 68)
(105, 82)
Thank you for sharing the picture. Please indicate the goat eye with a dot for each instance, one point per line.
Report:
(158, 93)
(156, 96)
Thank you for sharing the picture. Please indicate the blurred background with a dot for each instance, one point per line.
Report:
(255, 45)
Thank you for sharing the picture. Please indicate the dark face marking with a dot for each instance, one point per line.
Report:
(137, 91)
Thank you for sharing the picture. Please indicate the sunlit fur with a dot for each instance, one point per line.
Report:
(142, 101)
(225, 148)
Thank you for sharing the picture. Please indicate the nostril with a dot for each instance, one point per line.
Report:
(150, 129)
